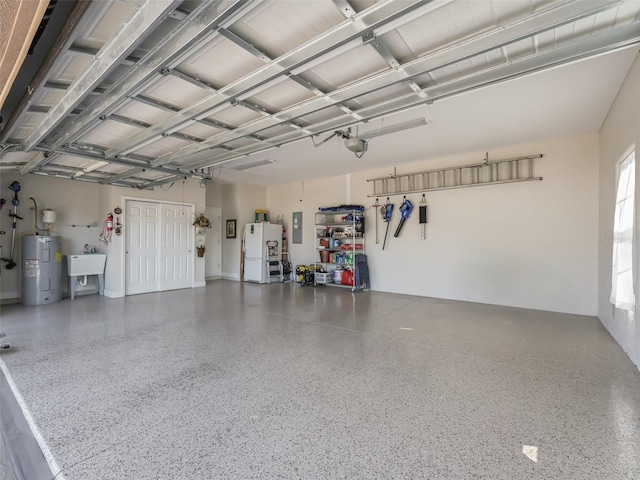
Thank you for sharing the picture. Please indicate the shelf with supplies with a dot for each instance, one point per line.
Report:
(340, 245)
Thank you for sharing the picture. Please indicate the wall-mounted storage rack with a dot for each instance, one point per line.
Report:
(509, 170)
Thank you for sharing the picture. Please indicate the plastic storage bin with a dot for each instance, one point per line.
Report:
(323, 278)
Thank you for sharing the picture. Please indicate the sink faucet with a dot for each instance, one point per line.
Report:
(86, 248)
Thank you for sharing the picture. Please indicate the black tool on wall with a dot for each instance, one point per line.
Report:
(422, 211)
(385, 211)
(15, 188)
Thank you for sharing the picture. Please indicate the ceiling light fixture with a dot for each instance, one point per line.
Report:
(258, 163)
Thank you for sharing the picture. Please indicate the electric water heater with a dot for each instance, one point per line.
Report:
(41, 269)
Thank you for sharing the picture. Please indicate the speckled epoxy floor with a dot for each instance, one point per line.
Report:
(247, 381)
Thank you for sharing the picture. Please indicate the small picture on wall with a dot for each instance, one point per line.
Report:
(231, 228)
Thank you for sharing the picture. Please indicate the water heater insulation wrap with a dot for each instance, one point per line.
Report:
(41, 269)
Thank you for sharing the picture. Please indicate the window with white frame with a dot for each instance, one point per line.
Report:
(622, 288)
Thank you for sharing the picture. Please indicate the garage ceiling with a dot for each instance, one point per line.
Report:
(143, 93)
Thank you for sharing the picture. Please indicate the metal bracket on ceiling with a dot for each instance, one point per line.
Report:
(345, 8)
(368, 37)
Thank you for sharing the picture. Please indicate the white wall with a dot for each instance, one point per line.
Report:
(240, 202)
(532, 244)
(81, 204)
(620, 133)
(214, 195)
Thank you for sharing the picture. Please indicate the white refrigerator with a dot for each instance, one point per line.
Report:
(256, 236)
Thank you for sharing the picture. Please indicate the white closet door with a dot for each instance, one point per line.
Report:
(176, 248)
(142, 247)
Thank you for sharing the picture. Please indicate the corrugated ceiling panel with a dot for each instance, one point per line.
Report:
(175, 92)
(425, 80)
(114, 168)
(384, 94)
(275, 131)
(279, 26)
(349, 67)
(480, 62)
(466, 67)
(235, 115)
(57, 130)
(398, 47)
(109, 134)
(607, 19)
(160, 33)
(16, 157)
(463, 18)
(321, 115)
(143, 113)
(201, 130)
(282, 95)
(152, 175)
(71, 67)
(458, 20)
(561, 36)
(96, 34)
(519, 49)
(48, 97)
(584, 28)
(482, 14)
(163, 146)
(220, 62)
(509, 11)
(117, 73)
(240, 142)
(429, 31)
(627, 12)
(545, 40)
(494, 57)
(72, 161)
(205, 154)
(434, 76)
(360, 5)
(31, 121)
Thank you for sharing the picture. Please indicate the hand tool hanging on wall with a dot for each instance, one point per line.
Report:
(405, 210)
(422, 211)
(385, 211)
(376, 206)
(15, 188)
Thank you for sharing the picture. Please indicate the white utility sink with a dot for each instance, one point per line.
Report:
(89, 264)
(83, 265)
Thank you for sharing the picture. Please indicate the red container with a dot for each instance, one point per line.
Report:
(347, 277)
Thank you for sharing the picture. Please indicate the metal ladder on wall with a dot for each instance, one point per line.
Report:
(274, 262)
(509, 170)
